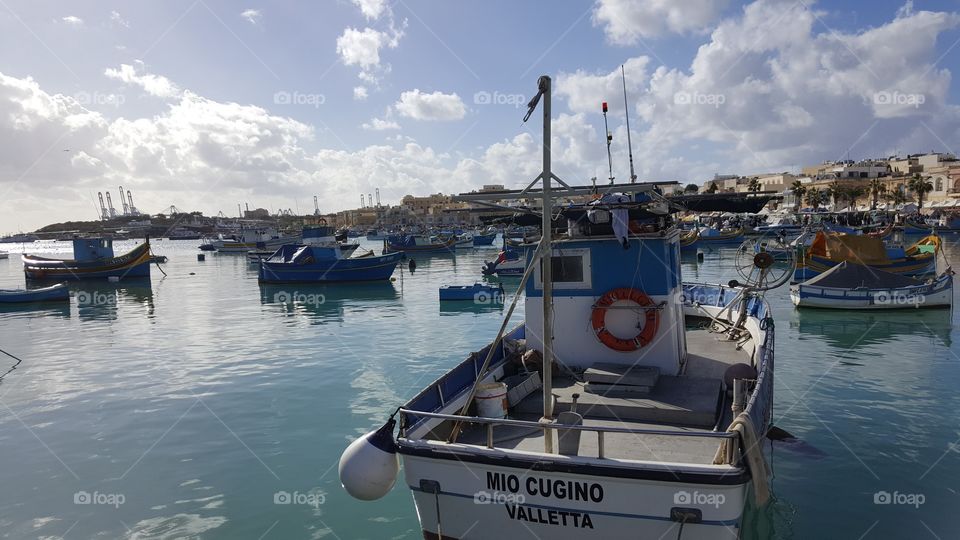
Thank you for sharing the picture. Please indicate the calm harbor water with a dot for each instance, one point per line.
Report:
(203, 405)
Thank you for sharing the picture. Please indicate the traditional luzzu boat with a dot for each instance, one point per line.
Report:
(640, 436)
(415, 243)
(709, 236)
(53, 293)
(93, 258)
(830, 249)
(688, 239)
(297, 263)
(849, 285)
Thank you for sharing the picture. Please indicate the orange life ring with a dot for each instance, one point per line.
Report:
(652, 324)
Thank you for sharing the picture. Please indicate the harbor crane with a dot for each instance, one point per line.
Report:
(316, 206)
(112, 211)
(104, 215)
(133, 209)
(123, 203)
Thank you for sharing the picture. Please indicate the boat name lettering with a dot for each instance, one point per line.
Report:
(546, 487)
(545, 516)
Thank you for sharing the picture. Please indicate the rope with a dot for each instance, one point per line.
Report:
(743, 426)
(13, 367)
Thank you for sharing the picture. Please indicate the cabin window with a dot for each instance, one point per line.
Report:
(571, 269)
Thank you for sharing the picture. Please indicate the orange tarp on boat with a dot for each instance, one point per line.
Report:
(846, 247)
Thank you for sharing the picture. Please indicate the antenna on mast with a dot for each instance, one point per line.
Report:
(626, 110)
(609, 140)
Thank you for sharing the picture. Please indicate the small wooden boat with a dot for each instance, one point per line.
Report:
(849, 285)
(314, 264)
(688, 239)
(830, 249)
(93, 258)
(484, 239)
(708, 236)
(420, 244)
(53, 293)
(478, 292)
(509, 262)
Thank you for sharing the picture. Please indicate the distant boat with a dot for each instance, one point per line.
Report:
(4, 255)
(509, 262)
(20, 238)
(313, 264)
(478, 292)
(376, 235)
(688, 239)
(945, 226)
(484, 239)
(420, 244)
(180, 233)
(53, 293)
(849, 285)
(708, 236)
(830, 249)
(251, 239)
(92, 258)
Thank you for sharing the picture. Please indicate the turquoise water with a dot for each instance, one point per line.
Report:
(186, 407)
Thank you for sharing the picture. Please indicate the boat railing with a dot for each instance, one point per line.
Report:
(490, 423)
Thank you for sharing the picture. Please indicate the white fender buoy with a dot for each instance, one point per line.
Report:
(369, 466)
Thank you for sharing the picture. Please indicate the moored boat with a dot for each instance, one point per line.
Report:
(849, 285)
(484, 239)
(709, 236)
(53, 293)
(414, 243)
(509, 262)
(92, 258)
(637, 437)
(830, 249)
(478, 292)
(304, 263)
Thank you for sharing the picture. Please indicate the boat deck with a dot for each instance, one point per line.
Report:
(690, 402)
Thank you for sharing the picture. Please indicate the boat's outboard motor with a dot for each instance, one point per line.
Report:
(369, 466)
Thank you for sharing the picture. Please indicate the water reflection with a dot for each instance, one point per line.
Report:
(99, 300)
(35, 310)
(322, 303)
(845, 329)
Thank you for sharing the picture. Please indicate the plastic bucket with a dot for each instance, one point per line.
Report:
(491, 400)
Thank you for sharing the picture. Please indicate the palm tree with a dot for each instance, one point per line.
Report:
(815, 197)
(898, 198)
(876, 188)
(920, 185)
(753, 185)
(798, 191)
(713, 187)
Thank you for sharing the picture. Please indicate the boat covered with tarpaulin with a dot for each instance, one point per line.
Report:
(850, 285)
(830, 249)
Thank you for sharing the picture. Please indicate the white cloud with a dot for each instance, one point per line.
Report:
(118, 20)
(360, 93)
(377, 124)
(627, 22)
(72, 20)
(435, 106)
(155, 85)
(252, 16)
(586, 91)
(371, 9)
(362, 47)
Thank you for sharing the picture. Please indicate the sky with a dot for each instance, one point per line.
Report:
(204, 104)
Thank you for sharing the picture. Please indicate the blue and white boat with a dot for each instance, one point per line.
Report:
(849, 285)
(651, 427)
(93, 258)
(53, 293)
(484, 239)
(509, 262)
(296, 263)
(480, 293)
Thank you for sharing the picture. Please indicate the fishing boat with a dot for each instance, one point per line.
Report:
(509, 262)
(709, 236)
(639, 435)
(315, 264)
(480, 293)
(53, 293)
(688, 239)
(830, 249)
(415, 243)
(849, 285)
(375, 235)
(252, 239)
(92, 258)
(481, 239)
(19, 238)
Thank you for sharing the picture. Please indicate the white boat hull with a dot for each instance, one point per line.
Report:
(495, 502)
(937, 294)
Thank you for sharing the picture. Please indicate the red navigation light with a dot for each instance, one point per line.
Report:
(604, 106)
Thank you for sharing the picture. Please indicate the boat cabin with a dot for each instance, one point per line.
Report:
(92, 249)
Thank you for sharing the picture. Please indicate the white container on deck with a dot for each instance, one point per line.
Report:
(491, 400)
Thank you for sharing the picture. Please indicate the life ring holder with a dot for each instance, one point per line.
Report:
(650, 327)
